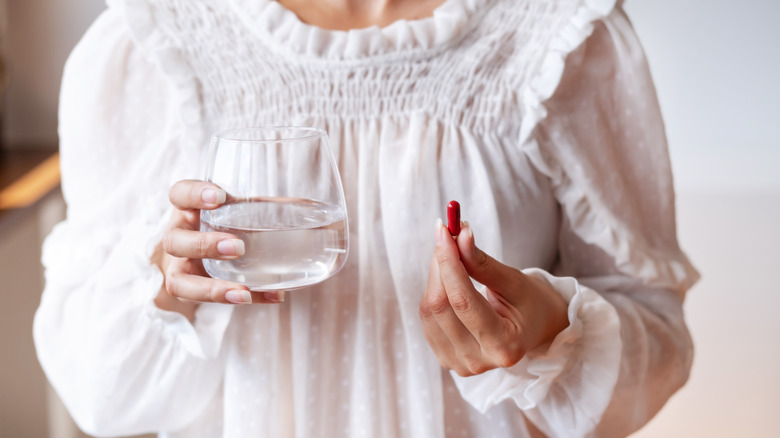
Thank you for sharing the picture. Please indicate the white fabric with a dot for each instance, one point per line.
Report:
(560, 168)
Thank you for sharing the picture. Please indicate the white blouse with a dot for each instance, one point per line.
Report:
(539, 116)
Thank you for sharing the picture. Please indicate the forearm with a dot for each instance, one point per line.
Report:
(118, 362)
(625, 352)
(653, 362)
(656, 360)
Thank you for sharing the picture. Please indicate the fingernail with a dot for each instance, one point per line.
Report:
(231, 247)
(238, 296)
(471, 239)
(438, 229)
(213, 196)
(274, 296)
(471, 232)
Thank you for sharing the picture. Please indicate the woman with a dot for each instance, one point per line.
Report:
(539, 116)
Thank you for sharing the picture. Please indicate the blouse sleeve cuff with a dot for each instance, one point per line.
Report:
(203, 338)
(582, 362)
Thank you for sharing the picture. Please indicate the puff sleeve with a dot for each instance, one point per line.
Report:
(595, 129)
(120, 364)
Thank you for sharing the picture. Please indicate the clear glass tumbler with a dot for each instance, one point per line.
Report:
(285, 201)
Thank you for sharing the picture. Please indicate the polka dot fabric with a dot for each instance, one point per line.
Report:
(538, 116)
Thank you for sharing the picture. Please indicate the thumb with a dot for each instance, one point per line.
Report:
(482, 267)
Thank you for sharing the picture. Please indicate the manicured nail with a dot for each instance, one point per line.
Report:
(213, 196)
(231, 247)
(466, 224)
(439, 228)
(238, 296)
(274, 296)
(470, 234)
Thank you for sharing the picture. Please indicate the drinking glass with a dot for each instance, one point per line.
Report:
(285, 201)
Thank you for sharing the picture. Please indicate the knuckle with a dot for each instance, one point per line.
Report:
(508, 356)
(478, 367)
(425, 311)
(444, 362)
(202, 245)
(489, 266)
(483, 260)
(437, 303)
(473, 363)
(492, 268)
(194, 194)
(176, 219)
(459, 302)
(171, 285)
(216, 293)
(462, 371)
(443, 257)
(172, 192)
(167, 241)
(190, 218)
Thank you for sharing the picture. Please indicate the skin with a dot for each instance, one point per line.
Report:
(179, 255)
(469, 333)
(358, 14)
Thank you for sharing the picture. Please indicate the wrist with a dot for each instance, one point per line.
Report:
(552, 312)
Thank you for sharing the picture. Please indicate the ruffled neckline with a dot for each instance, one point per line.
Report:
(282, 27)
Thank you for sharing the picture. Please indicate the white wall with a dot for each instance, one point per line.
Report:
(41, 34)
(717, 72)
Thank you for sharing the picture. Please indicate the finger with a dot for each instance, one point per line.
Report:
(439, 342)
(436, 305)
(201, 245)
(193, 194)
(187, 219)
(205, 289)
(470, 306)
(483, 268)
(444, 350)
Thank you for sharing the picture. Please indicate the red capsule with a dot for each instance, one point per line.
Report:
(453, 217)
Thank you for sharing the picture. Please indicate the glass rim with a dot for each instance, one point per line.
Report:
(308, 133)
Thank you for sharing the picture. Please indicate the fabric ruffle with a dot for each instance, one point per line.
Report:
(128, 263)
(285, 32)
(120, 332)
(204, 338)
(584, 360)
(632, 256)
(582, 364)
(147, 34)
(593, 222)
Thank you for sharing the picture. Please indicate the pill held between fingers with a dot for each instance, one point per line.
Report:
(453, 217)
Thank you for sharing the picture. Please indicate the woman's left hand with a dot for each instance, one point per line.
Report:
(471, 334)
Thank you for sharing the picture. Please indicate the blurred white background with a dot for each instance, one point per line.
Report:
(718, 77)
(717, 72)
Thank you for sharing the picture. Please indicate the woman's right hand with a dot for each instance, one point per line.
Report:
(184, 246)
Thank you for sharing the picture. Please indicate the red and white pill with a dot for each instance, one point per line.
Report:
(453, 217)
